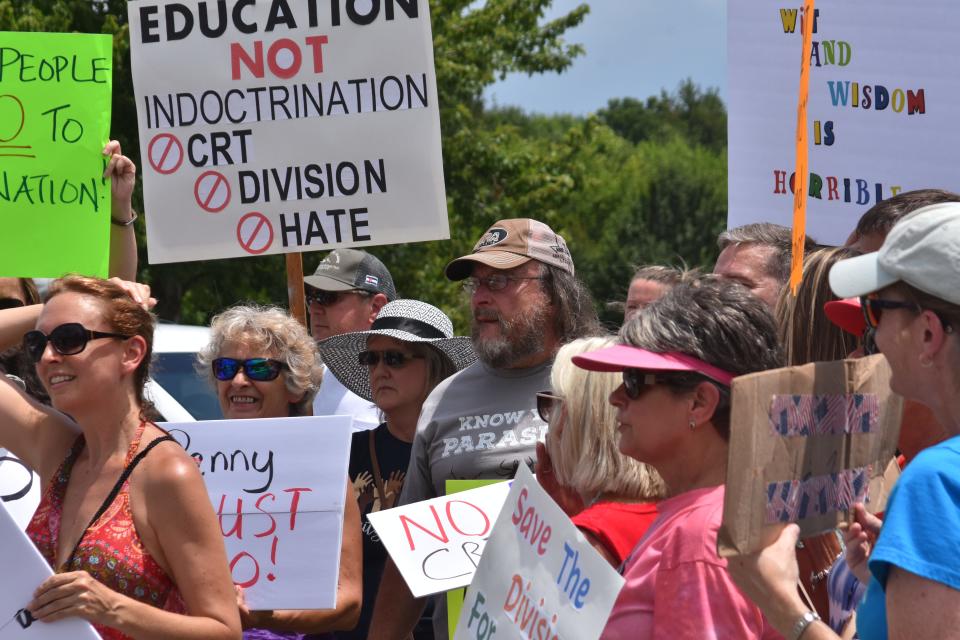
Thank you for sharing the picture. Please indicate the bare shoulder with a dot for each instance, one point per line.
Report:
(168, 468)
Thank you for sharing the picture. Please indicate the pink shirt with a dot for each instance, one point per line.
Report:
(676, 584)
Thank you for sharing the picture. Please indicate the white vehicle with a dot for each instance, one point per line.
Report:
(178, 393)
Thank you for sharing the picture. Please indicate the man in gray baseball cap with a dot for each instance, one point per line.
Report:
(344, 295)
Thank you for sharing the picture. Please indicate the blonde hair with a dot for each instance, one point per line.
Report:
(586, 456)
(807, 335)
(277, 333)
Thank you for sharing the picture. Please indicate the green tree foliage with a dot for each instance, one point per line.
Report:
(641, 182)
(698, 116)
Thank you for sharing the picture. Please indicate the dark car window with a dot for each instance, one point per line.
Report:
(174, 372)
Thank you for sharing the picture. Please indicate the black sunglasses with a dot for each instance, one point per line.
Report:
(68, 340)
(326, 298)
(635, 381)
(393, 359)
(873, 308)
(548, 405)
(259, 369)
(10, 303)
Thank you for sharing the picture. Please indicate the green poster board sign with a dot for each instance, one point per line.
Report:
(455, 596)
(55, 91)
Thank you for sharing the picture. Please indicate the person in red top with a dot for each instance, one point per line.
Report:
(125, 519)
(609, 496)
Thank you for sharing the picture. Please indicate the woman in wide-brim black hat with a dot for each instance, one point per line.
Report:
(408, 350)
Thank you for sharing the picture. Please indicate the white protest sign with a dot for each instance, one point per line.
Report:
(280, 126)
(539, 577)
(881, 117)
(278, 488)
(436, 544)
(23, 571)
(19, 488)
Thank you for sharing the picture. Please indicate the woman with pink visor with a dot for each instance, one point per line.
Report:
(678, 357)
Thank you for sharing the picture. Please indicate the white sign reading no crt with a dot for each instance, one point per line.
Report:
(286, 125)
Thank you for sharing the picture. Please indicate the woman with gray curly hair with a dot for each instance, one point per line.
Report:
(677, 358)
(264, 364)
(263, 330)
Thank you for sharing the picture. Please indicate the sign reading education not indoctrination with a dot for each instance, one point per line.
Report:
(881, 109)
(55, 91)
(282, 126)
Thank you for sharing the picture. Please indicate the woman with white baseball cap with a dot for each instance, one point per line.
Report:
(910, 293)
(408, 350)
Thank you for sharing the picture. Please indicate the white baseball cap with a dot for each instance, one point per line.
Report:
(923, 250)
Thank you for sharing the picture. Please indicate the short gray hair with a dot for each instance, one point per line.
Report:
(277, 333)
(715, 320)
(766, 234)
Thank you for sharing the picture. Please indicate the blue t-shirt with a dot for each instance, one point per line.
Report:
(920, 534)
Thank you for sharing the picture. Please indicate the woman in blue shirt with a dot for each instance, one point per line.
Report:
(910, 294)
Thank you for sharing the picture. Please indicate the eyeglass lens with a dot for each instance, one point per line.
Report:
(259, 369)
(68, 339)
(393, 359)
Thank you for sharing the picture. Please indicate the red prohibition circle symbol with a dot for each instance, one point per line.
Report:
(212, 191)
(165, 153)
(254, 233)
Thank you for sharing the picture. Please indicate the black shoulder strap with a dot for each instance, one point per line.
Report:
(116, 490)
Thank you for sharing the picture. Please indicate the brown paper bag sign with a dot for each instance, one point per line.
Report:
(806, 444)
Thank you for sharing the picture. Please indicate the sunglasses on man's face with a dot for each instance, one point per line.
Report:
(326, 298)
(548, 406)
(259, 369)
(393, 359)
(68, 339)
(10, 303)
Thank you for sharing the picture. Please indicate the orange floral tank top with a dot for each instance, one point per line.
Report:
(110, 549)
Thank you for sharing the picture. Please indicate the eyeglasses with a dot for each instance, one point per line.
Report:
(873, 308)
(548, 405)
(393, 359)
(326, 298)
(259, 369)
(495, 282)
(68, 340)
(10, 303)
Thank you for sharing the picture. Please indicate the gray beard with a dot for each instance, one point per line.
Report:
(519, 339)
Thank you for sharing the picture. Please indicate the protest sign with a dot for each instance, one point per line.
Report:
(538, 577)
(436, 544)
(881, 119)
(19, 488)
(455, 596)
(278, 488)
(55, 91)
(301, 126)
(23, 570)
(807, 443)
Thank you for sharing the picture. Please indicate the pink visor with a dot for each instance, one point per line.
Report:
(847, 315)
(622, 356)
